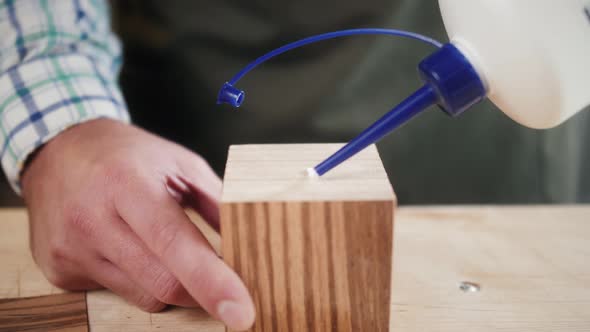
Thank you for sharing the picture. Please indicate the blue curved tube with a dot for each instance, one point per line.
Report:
(330, 35)
(231, 95)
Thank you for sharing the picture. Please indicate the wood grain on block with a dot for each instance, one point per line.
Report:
(315, 253)
(61, 312)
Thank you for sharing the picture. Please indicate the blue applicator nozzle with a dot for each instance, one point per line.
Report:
(402, 113)
(450, 81)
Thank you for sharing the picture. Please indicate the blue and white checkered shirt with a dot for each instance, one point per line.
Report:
(59, 62)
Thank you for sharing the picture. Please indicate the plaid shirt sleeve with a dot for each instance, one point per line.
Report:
(59, 63)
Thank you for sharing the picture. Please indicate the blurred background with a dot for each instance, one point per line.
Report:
(178, 53)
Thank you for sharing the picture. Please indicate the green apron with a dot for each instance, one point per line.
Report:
(178, 53)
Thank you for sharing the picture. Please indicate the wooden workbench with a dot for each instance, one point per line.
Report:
(532, 264)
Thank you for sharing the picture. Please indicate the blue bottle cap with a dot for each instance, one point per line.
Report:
(453, 79)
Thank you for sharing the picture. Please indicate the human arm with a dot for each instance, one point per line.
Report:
(102, 195)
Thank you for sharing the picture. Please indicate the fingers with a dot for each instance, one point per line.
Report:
(82, 284)
(187, 194)
(114, 279)
(71, 281)
(204, 188)
(166, 230)
(63, 272)
(126, 251)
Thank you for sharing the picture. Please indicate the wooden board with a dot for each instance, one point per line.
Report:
(315, 253)
(109, 313)
(59, 313)
(531, 262)
(19, 276)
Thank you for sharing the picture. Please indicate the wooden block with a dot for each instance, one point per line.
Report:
(315, 253)
(61, 312)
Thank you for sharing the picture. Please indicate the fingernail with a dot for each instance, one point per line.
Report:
(236, 317)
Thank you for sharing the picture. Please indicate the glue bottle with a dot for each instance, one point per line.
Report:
(533, 56)
(529, 57)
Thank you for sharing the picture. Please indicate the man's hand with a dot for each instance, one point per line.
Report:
(105, 206)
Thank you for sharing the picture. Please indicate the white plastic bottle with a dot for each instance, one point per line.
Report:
(532, 55)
